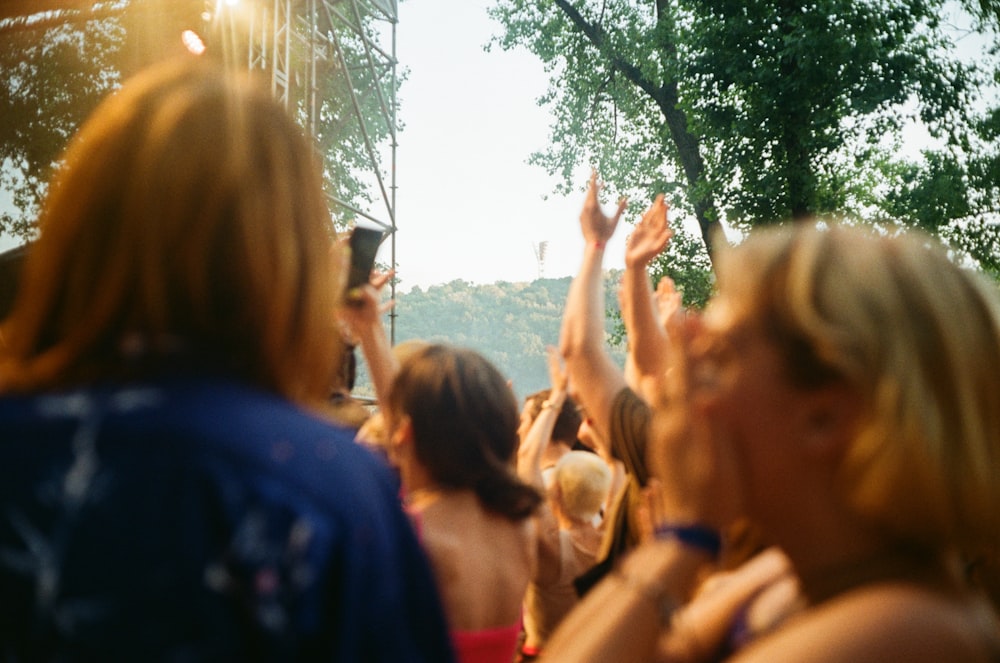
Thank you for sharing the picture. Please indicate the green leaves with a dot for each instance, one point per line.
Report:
(57, 70)
(765, 110)
(53, 77)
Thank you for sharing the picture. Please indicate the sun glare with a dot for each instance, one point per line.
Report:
(193, 42)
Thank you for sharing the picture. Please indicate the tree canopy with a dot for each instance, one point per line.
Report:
(752, 112)
(56, 67)
(509, 323)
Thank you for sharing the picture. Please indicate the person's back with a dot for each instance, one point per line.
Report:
(482, 560)
(201, 520)
(453, 430)
(166, 493)
(580, 482)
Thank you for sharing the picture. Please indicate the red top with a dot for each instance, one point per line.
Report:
(491, 645)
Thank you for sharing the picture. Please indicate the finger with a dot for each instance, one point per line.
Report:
(622, 204)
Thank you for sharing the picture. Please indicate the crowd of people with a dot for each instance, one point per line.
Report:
(802, 471)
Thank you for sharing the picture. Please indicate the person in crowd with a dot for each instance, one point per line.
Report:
(562, 439)
(170, 488)
(589, 439)
(842, 392)
(344, 407)
(453, 423)
(645, 370)
(618, 415)
(450, 423)
(568, 522)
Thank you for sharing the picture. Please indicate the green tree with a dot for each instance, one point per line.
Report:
(754, 111)
(509, 323)
(56, 67)
(53, 76)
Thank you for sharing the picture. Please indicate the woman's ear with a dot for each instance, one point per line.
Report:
(402, 433)
(830, 421)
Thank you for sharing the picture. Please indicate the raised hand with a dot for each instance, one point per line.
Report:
(557, 372)
(650, 236)
(365, 309)
(598, 227)
(668, 302)
(688, 450)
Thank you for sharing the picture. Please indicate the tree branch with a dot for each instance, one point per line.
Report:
(666, 98)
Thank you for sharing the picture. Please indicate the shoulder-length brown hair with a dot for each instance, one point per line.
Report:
(187, 226)
(465, 418)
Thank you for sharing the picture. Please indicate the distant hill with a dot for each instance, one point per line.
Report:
(509, 323)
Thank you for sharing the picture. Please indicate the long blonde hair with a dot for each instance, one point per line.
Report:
(187, 225)
(918, 338)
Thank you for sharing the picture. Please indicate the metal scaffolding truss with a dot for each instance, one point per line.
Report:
(300, 43)
(332, 63)
(312, 49)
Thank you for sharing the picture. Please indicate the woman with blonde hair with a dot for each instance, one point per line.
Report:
(169, 489)
(842, 391)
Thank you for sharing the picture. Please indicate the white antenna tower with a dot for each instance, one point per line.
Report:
(540, 250)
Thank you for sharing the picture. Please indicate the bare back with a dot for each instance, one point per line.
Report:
(482, 561)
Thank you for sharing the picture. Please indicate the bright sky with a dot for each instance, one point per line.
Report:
(468, 205)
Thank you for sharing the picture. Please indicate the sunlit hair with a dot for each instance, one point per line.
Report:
(465, 420)
(583, 479)
(186, 226)
(918, 338)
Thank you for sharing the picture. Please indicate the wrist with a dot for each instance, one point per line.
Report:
(654, 594)
(553, 403)
(664, 573)
(693, 536)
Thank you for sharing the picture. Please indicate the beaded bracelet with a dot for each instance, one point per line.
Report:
(696, 536)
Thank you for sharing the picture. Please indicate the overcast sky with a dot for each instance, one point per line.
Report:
(468, 205)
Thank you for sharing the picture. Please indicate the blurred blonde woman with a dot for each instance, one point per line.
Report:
(169, 490)
(843, 392)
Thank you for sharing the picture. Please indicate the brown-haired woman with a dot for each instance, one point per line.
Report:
(453, 421)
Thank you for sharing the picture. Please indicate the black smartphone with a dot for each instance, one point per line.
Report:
(364, 243)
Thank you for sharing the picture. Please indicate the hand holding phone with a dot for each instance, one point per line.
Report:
(363, 242)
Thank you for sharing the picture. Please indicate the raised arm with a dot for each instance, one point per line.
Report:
(529, 453)
(529, 469)
(648, 343)
(363, 316)
(582, 341)
(623, 617)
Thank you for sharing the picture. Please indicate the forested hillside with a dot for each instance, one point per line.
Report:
(509, 323)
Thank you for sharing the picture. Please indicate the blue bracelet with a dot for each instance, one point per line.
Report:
(697, 536)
